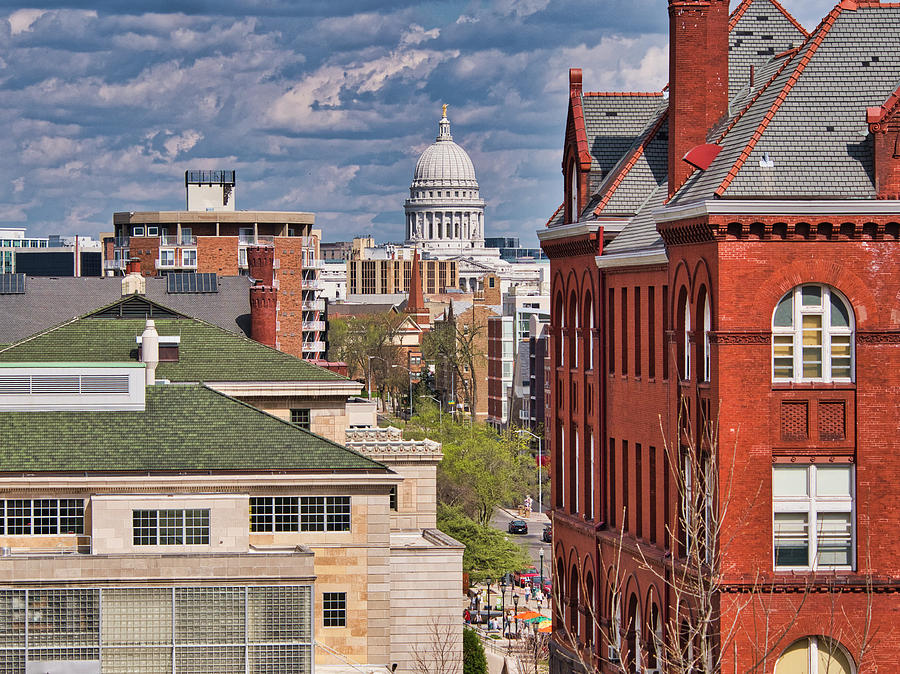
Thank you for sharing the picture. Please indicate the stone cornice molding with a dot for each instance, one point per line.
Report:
(721, 337)
(775, 207)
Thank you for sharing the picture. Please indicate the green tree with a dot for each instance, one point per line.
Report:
(489, 553)
(474, 659)
(482, 468)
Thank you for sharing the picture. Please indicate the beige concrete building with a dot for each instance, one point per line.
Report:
(178, 476)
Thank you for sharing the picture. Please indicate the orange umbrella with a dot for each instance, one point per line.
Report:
(546, 627)
(527, 614)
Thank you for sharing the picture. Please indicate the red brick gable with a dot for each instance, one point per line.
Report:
(884, 124)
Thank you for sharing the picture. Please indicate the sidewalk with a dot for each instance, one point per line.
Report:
(536, 517)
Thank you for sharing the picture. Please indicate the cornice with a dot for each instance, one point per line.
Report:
(779, 207)
(640, 258)
(570, 230)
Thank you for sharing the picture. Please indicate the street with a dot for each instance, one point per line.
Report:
(531, 540)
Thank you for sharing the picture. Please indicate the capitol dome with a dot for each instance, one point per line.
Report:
(444, 163)
(444, 212)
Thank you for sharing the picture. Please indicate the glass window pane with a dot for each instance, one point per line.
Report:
(791, 539)
(831, 659)
(812, 329)
(789, 481)
(834, 537)
(812, 296)
(784, 312)
(840, 316)
(833, 480)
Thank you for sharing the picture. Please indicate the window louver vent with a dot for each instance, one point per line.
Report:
(192, 282)
(43, 384)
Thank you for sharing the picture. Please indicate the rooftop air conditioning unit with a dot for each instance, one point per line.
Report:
(612, 654)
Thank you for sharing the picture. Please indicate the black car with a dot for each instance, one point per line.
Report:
(547, 535)
(517, 527)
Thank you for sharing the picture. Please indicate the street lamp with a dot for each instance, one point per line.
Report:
(542, 569)
(410, 373)
(516, 614)
(488, 581)
(539, 461)
(440, 409)
(503, 604)
(369, 377)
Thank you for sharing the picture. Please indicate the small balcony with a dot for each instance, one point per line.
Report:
(314, 347)
(311, 284)
(121, 242)
(256, 240)
(115, 265)
(317, 326)
(165, 264)
(172, 240)
(313, 305)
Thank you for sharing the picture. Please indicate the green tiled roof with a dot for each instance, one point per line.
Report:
(206, 352)
(183, 428)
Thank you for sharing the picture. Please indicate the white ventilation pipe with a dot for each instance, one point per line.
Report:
(150, 350)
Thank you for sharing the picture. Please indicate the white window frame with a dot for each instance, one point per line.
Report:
(813, 654)
(707, 326)
(687, 339)
(812, 504)
(166, 257)
(795, 331)
(185, 252)
(137, 230)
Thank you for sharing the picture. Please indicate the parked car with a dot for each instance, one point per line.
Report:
(524, 577)
(547, 535)
(517, 527)
(548, 583)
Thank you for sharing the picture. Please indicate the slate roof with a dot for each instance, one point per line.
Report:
(810, 119)
(758, 30)
(48, 301)
(641, 234)
(612, 122)
(206, 353)
(182, 428)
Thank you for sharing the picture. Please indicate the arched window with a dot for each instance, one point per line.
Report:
(683, 316)
(812, 336)
(655, 651)
(707, 326)
(816, 655)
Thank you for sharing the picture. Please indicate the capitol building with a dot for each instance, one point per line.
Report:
(445, 211)
(445, 223)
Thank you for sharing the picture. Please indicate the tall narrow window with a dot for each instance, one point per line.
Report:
(688, 516)
(610, 331)
(573, 192)
(683, 332)
(613, 506)
(664, 327)
(651, 332)
(624, 324)
(707, 326)
(638, 491)
(591, 473)
(576, 473)
(651, 492)
(626, 504)
(812, 336)
(637, 332)
(589, 336)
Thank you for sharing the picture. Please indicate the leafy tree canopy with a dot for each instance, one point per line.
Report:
(489, 553)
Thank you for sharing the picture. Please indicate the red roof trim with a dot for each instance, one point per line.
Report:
(814, 43)
(878, 114)
(555, 213)
(745, 5)
(581, 144)
(656, 94)
(632, 160)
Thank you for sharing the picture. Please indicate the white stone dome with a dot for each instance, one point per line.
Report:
(444, 163)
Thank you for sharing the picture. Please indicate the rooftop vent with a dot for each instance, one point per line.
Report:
(192, 282)
(39, 387)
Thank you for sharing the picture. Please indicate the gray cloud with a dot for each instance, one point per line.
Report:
(319, 106)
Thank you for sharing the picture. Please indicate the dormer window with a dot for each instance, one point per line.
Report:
(573, 192)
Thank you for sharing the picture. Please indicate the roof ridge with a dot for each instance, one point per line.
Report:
(283, 421)
(622, 93)
(738, 13)
(41, 334)
(790, 18)
(555, 213)
(813, 42)
(629, 164)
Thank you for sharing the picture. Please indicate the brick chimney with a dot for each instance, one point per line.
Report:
(698, 78)
(261, 264)
(884, 124)
(415, 305)
(263, 302)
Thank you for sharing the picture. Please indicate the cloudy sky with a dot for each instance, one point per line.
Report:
(318, 105)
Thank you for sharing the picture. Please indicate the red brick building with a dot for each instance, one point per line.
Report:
(725, 316)
(210, 236)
